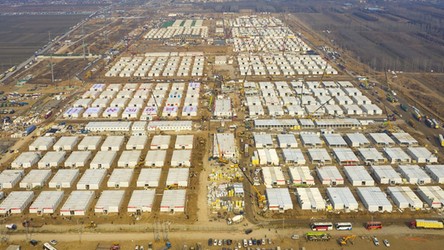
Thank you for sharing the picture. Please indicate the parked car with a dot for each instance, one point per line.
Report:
(386, 243)
(375, 241)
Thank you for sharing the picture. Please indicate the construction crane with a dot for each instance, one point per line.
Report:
(260, 197)
(222, 159)
(390, 118)
(345, 240)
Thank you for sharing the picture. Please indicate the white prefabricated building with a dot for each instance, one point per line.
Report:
(342, 198)
(129, 159)
(155, 158)
(103, 159)
(9, 178)
(141, 201)
(120, 178)
(52, 159)
(263, 140)
(42, 144)
(287, 141)
(90, 143)
(404, 197)
(78, 159)
(184, 142)
(178, 176)
(66, 143)
(374, 199)
(16, 202)
(421, 155)
(110, 201)
(414, 174)
(311, 140)
(35, 178)
(436, 172)
(112, 143)
(329, 175)
(173, 201)
(279, 199)
(64, 178)
(91, 179)
(77, 203)
(358, 176)
(319, 155)
(47, 202)
(268, 156)
(181, 158)
(225, 144)
(397, 155)
(301, 176)
(345, 156)
(136, 142)
(357, 140)
(432, 195)
(335, 140)
(371, 156)
(160, 142)
(385, 174)
(149, 177)
(273, 176)
(26, 160)
(310, 199)
(292, 155)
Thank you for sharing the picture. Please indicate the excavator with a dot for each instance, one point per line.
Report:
(345, 240)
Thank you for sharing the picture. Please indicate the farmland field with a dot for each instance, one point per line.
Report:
(21, 36)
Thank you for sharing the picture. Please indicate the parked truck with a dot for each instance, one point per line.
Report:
(317, 236)
(426, 224)
(441, 140)
(236, 219)
(30, 129)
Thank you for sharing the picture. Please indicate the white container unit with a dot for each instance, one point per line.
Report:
(279, 199)
(385, 174)
(110, 201)
(414, 174)
(374, 199)
(9, 178)
(273, 176)
(103, 159)
(292, 155)
(149, 177)
(358, 176)
(64, 178)
(112, 143)
(16, 202)
(78, 203)
(155, 158)
(52, 159)
(404, 197)
(42, 144)
(47, 202)
(26, 160)
(173, 201)
(129, 159)
(90, 143)
(66, 143)
(287, 141)
(301, 176)
(78, 159)
(342, 198)
(136, 142)
(184, 142)
(310, 199)
(436, 172)
(329, 175)
(178, 177)
(120, 178)
(432, 195)
(91, 179)
(35, 178)
(181, 158)
(160, 142)
(141, 201)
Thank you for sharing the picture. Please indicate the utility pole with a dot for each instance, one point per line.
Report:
(83, 42)
(50, 59)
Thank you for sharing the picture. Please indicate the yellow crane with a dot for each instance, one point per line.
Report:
(221, 155)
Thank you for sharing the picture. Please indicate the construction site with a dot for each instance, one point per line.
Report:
(225, 127)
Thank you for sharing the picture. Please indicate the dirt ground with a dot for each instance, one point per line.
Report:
(399, 238)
